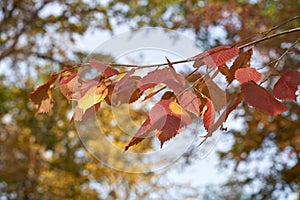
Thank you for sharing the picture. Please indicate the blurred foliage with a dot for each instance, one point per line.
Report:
(39, 156)
(43, 158)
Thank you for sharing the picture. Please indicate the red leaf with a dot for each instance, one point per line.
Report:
(217, 56)
(190, 102)
(126, 89)
(258, 97)
(208, 114)
(143, 132)
(286, 86)
(247, 74)
(42, 96)
(211, 51)
(105, 69)
(242, 61)
(168, 118)
(164, 76)
(220, 57)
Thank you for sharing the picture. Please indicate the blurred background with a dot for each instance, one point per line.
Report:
(42, 157)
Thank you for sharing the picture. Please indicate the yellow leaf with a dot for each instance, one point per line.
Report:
(93, 96)
(176, 108)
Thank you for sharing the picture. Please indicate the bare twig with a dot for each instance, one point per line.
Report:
(278, 60)
(280, 25)
(286, 52)
(269, 37)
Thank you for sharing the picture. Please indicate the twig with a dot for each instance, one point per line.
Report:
(278, 60)
(280, 25)
(269, 37)
(292, 46)
(148, 66)
(193, 59)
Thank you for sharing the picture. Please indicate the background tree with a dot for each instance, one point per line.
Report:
(42, 157)
(24, 30)
(260, 135)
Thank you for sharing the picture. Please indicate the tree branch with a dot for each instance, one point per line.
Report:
(193, 59)
(269, 37)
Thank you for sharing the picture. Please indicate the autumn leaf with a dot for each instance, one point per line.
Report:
(69, 84)
(168, 95)
(80, 115)
(190, 102)
(224, 69)
(168, 118)
(143, 132)
(242, 61)
(214, 93)
(93, 96)
(208, 114)
(126, 89)
(105, 69)
(219, 58)
(287, 85)
(42, 96)
(258, 97)
(164, 76)
(247, 74)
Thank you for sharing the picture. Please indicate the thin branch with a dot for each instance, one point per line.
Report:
(280, 25)
(265, 33)
(149, 66)
(278, 60)
(49, 58)
(193, 59)
(269, 37)
(286, 52)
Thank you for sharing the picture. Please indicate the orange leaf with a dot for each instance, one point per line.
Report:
(168, 118)
(258, 97)
(69, 84)
(242, 61)
(286, 86)
(42, 96)
(143, 132)
(247, 74)
(224, 70)
(208, 114)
